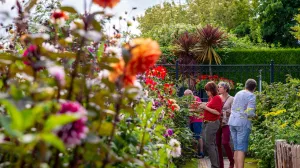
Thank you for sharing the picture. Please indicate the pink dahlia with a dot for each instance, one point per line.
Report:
(32, 57)
(73, 133)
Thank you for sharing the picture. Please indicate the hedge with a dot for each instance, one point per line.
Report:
(248, 56)
(260, 56)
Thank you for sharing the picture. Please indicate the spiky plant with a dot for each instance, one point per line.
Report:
(210, 38)
(185, 48)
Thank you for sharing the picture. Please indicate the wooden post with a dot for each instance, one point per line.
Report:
(298, 156)
(279, 153)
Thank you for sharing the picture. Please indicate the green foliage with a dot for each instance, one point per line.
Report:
(261, 21)
(166, 33)
(159, 20)
(276, 19)
(296, 28)
(278, 114)
(260, 56)
(168, 56)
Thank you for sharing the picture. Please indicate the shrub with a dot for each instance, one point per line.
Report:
(260, 56)
(278, 114)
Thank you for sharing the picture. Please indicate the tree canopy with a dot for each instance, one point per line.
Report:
(260, 20)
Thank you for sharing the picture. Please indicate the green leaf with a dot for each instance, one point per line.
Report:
(53, 140)
(16, 93)
(54, 56)
(55, 121)
(100, 51)
(6, 124)
(68, 9)
(105, 129)
(31, 116)
(148, 110)
(13, 112)
(139, 108)
(96, 25)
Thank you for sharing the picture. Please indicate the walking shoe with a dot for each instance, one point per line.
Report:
(201, 155)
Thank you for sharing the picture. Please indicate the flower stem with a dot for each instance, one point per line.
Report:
(74, 72)
(143, 138)
(118, 108)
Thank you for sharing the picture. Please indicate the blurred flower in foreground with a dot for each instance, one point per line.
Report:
(58, 73)
(141, 54)
(144, 54)
(118, 70)
(73, 133)
(59, 17)
(106, 3)
(32, 57)
(175, 150)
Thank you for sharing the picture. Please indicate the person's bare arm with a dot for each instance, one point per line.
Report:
(213, 111)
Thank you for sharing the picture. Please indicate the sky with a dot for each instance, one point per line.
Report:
(119, 10)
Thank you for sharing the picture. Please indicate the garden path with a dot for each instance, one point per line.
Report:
(205, 163)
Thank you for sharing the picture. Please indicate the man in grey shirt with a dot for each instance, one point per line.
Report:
(243, 108)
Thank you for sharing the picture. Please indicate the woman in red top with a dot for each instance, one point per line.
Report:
(212, 111)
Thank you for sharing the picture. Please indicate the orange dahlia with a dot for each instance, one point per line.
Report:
(129, 80)
(144, 54)
(118, 70)
(106, 3)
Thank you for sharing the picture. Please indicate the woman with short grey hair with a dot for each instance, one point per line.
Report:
(223, 134)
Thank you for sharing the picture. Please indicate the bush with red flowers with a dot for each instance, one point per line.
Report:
(203, 79)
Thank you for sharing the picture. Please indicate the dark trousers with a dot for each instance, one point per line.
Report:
(209, 137)
(223, 138)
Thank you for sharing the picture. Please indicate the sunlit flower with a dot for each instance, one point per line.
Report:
(175, 150)
(276, 113)
(106, 3)
(73, 133)
(59, 17)
(58, 73)
(144, 54)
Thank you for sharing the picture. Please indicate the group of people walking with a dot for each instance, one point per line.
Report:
(224, 117)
